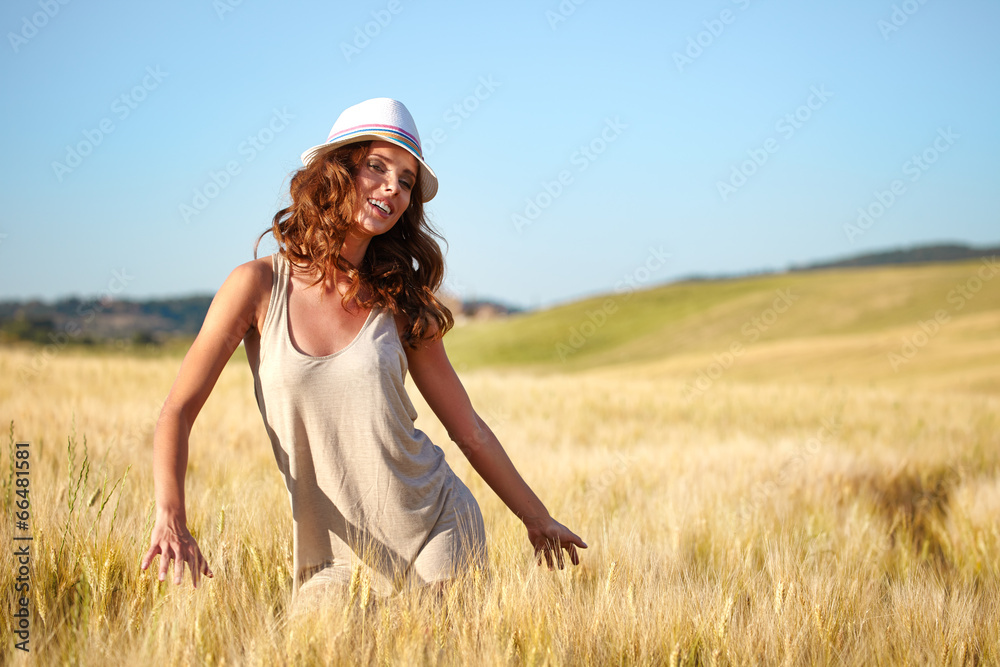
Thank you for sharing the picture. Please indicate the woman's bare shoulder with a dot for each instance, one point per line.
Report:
(253, 281)
(258, 273)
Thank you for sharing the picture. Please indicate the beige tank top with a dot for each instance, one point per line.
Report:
(341, 426)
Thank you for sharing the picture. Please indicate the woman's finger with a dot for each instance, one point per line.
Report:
(165, 558)
(148, 558)
(195, 568)
(199, 568)
(178, 568)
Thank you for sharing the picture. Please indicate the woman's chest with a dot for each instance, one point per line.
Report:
(320, 324)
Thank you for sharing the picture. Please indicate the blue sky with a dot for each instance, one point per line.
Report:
(574, 141)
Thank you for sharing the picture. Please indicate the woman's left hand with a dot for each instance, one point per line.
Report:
(548, 535)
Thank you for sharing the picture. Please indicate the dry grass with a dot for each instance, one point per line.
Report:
(767, 522)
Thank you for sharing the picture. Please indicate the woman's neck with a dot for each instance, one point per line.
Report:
(354, 248)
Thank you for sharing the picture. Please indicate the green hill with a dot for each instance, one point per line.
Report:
(806, 324)
(945, 252)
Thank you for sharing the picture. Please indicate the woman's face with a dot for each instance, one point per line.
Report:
(384, 184)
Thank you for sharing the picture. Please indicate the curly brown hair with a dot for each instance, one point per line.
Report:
(402, 267)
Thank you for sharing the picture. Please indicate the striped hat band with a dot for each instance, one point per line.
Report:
(389, 132)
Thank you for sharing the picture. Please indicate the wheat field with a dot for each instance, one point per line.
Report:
(763, 521)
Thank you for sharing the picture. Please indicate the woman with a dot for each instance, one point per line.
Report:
(331, 324)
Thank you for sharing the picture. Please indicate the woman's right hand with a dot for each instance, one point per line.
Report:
(172, 540)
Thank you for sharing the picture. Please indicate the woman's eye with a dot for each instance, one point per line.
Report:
(374, 165)
(407, 185)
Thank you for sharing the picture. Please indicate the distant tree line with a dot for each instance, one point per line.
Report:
(91, 322)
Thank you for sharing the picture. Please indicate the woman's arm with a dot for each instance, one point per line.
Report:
(442, 389)
(233, 312)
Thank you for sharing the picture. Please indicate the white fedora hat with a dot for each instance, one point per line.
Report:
(379, 119)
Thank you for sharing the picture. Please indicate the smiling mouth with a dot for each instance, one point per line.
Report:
(382, 206)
